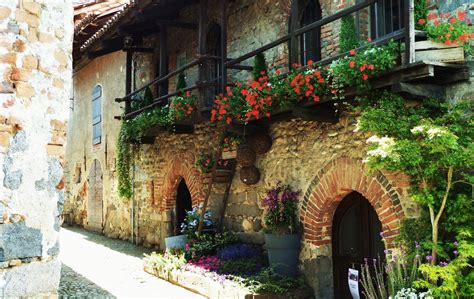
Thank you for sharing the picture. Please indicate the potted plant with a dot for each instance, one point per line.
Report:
(282, 239)
(189, 229)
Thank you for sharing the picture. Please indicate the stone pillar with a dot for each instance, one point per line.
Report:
(35, 85)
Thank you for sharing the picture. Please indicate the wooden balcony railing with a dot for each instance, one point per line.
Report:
(405, 35)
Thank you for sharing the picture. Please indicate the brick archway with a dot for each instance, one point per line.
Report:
(336, 180)
(177, 169)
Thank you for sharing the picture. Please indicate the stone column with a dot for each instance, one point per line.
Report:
(35, 90)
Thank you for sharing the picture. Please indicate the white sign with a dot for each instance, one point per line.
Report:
(353, 280)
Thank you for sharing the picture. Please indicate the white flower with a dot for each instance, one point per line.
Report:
(418, 129)
(384, 148)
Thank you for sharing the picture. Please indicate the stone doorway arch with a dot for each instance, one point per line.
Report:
(95, 198)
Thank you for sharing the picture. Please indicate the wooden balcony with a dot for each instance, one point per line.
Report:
(410, 76)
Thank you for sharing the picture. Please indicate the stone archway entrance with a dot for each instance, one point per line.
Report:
(94, 200)
(355, 236)
(183, 204)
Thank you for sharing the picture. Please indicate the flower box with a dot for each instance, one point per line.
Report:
(229, 154)
(438, 52)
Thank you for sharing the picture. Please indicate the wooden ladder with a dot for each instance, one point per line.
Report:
(216, 173)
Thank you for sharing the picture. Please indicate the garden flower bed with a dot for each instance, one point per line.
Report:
(235, 271)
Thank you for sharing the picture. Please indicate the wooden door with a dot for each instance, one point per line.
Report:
(94, 203)
(355, 236)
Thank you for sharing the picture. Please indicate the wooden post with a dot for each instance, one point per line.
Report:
(163, 58)
(410, 31)
(294, 24)
(202, 49)
(128, 81)
(224, 4)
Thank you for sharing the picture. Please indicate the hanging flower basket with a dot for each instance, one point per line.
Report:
(260, 142)
(249, 175)
(246, 155)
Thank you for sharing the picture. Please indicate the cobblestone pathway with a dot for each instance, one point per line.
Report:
(98, 267)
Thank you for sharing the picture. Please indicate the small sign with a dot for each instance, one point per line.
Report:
(353, 280)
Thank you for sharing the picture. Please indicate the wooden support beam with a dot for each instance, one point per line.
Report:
(420, 90)
(128, 81)
(178, 24)
(294, 24)
(202, 48)
(325, 113)
(224, 4)
(162, 90)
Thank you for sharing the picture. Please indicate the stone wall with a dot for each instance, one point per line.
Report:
(35, 84)
(324, 161)
(107, 71)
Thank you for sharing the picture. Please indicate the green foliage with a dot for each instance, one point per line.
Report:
(123, 164)
(142, 99)
(267, 281)
(181, 81)
(259, 66)
(166, 262)
(208, 244)
(454, 279)
(205, 162)
(348, 36)
(421, 12)
(432, 143)
(242, 265)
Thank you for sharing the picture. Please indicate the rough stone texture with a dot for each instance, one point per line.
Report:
(324, 161)
(19, 241)
(31, 279)
(33, 116)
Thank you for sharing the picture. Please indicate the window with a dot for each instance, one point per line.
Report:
(97, 115)
(310, 42)
(386, 17)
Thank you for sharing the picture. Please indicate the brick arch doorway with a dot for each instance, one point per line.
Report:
(95, 196)
(355, 236)
(183, 204)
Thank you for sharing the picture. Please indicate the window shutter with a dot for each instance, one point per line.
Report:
(97, 115)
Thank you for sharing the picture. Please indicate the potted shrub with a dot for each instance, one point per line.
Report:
(189, 229)
(282, 239)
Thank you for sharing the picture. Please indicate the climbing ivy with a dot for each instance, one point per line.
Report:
(348, 36)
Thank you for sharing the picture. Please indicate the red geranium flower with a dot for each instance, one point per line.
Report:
(310, 62)
(352, 52)
(431, 16)
(352, 64)
(365, 77)
(421, 21)
(461, 15)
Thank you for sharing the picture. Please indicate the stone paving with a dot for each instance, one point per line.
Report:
(98, 267)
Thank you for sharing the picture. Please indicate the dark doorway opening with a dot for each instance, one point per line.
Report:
(355, 236)
(183, 204)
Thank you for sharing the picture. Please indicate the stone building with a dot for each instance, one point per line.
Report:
(36, 65)
(321, 156)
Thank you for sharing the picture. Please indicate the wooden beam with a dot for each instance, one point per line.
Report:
(202, 48)
(178, 24)
(163, 58)
(420, 90)
(128, 81)
(321, 113)
(294, 24)
(224, 4)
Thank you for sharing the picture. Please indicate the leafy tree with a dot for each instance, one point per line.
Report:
(432, 143)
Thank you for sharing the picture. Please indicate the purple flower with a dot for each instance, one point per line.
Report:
(456, 253)
(443, 264)
(429, 258)
(417, 245)
(456, 243)
(417, 256)
(381, 234)
(385, 251)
